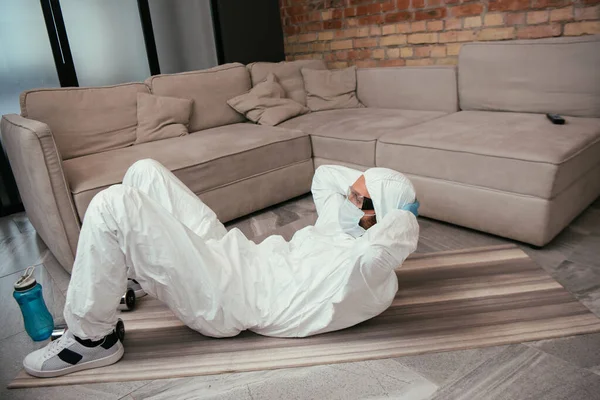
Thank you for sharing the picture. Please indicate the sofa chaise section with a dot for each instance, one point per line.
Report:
(521, 164)
(500, 166)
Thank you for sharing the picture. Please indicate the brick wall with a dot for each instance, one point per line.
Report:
(384, 33)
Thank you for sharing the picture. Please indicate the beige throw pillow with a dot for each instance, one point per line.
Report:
(330, 89)
(266, 103)
(288, 75)
(161, 117)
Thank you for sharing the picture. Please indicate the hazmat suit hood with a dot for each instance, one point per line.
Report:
(389, 190)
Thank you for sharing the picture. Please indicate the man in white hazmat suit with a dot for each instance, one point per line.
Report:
(153, 228)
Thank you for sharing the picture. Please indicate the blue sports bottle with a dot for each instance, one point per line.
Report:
(28, 294)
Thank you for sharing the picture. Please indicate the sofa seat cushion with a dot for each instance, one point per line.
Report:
(203, 160)
(350, 135)
(513, 152)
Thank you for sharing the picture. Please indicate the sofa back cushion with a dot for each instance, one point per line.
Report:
(558, 75)
(210, 89)
(408, 88)
(86, 120)
(288, 75)
(330, 89)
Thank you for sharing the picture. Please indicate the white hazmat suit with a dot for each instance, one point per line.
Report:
(154, 229)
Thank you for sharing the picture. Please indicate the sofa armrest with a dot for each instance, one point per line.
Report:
(409, 88)
(38, 171)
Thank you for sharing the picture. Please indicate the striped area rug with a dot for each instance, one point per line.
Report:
(447, 301)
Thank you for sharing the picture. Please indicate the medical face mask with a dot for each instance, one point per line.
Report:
(349, 216)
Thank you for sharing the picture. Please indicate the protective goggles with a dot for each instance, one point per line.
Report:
(362, 202)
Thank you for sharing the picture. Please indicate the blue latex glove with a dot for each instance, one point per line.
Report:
(412, 207)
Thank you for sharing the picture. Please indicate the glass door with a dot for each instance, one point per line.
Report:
(52, 43)
(26, 62)
(184, 34)
(106, 41)
(26, 59)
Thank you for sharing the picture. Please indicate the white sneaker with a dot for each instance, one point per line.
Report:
(137, 288)
(69, 354)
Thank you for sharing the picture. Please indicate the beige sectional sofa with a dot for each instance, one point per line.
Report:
(473, 139)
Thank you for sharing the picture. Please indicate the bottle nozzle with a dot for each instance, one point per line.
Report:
(27, 280)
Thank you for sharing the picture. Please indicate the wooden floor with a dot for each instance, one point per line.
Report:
(563, 368)
(454, 300)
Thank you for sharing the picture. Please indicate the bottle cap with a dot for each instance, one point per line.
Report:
(26, 281)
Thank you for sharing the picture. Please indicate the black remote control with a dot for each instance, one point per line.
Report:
(556, 119)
